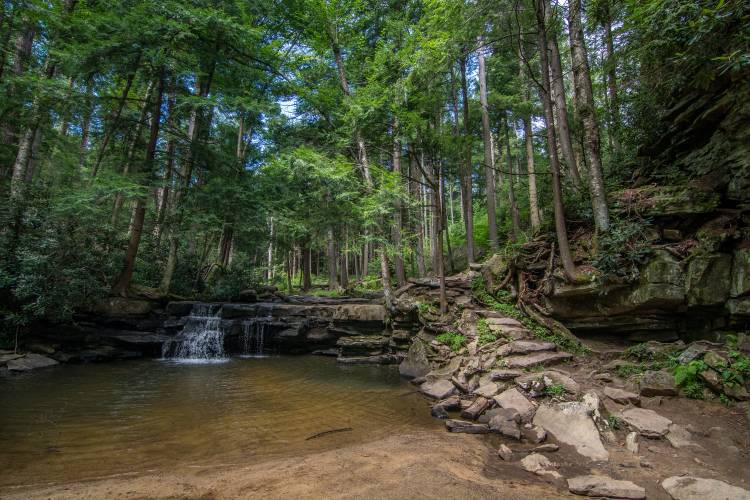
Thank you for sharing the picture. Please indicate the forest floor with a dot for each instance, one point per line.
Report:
(430, 464)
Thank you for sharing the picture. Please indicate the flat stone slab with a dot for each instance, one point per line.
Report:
(30, 362)
(541, 358)
(513, 399)
(647, 422)
(696, 488)
(488, 390)
(438, 389)
(679, 437)
(657, 383)
(504, 322)
(466, 427)
(571, 423)
(505, 374)
(603, 486)
(622, 396)
(525, 347)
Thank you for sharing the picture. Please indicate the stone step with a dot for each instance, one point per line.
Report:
(525, 347)
(540, 358)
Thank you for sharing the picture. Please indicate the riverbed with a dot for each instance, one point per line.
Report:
(81, 422)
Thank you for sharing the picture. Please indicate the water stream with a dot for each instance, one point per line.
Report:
(202, 338)
(73, 422)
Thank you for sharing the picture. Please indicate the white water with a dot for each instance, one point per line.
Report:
(254, 335)
(202, 339)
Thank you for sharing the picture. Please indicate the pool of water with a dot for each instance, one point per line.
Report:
(77, 422)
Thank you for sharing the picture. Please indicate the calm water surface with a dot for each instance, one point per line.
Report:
(82, 421)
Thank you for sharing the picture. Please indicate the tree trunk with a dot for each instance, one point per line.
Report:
(306, 264)
(611, 75)
(560, 229)
(123, 281)
(587, 112)
(536, 220)
(417, 225)
(332, 266)
(467, 199)
(398, 261)
(489, 161)
(560, 107)
(269, 268)
(516, 224)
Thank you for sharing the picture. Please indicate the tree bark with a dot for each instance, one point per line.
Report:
(611, 76)
(398, 261)
(587, 112)
(489, 160)
(466, 171)
(306, 264)
(535, 216)
(139, 211)
(515, 222)
(560, 107)
(332, 267)
(569, 267)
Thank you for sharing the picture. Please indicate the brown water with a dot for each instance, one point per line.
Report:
(76, 422)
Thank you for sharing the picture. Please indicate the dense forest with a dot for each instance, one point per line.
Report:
(201, 148)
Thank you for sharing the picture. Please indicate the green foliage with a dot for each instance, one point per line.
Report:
(622, 249)
(724, 399)
(686, 377)
(455, 341)
(485, 335)
(614, 422)
(555, 390)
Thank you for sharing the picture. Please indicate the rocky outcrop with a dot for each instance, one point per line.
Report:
(696, 488)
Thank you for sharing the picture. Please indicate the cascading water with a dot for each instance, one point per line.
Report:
(202, 337)
(254, 334)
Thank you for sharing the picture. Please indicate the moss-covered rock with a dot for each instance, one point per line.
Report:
(740, 272)
(708, 279)
(660, 201)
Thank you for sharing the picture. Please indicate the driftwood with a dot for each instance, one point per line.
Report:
(332, 431)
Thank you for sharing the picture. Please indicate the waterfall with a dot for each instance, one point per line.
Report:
(202, 337)
(254, 334)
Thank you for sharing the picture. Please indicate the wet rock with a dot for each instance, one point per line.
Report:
(416, 363)
(540, 465)
(4, 358)
(647, 422)
(541, 358)
(451, 403)
(534, 433)
(439, 389)
(708, 279)
(466, 427)
(657, 383)
(447, 371)
(621, 396)
(740, 272)
(477, 408)
(631, 442)
(30, 362)
(525, 347)
(695, 488)
(496, 375)
(505, 453)
(512, 398)
(439, 411)
(571, 423)
(603, 486)
(505, 426)
(506, 413)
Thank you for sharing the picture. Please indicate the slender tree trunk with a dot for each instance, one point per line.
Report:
(560, 228)
(306, 265)
(332, 267)
(444, 221)
(489, 161)
(468, 209)
(398, 261)
(417, 226)
(123, 281)
(587, 112)
(559, 102)
(269, 272)
(516, 223)
(611, 76)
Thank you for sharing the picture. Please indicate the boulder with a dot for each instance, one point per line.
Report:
(708, 279)
(438, 389)
(696, 488)
(712, 379)
(541, 358)
(553, 377)
(622, 396)
(506, 413)
(504, 452)
(740, 272)
(647, 422)
(513, 399)
(505, 426)
(488, 390)
(534, 433)
(540, 465)
(603, 486)
(416, 364)
(447, 371)
(739, 307)
(477, 408)
(571, 423)
(30, 362)
(466, 427)
(439, 411)
(657, 383)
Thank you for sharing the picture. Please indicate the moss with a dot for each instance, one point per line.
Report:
(455, 341)
(485, 334)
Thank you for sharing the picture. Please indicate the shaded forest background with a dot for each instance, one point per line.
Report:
(198, 149)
